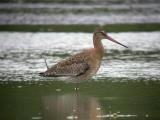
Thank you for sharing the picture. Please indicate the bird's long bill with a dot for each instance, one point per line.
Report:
(111, 39)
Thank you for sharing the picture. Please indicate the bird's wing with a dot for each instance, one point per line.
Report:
(65, 68)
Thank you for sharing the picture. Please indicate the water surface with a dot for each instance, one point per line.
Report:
(50, 100)
(126, 87)
(40, 13)
(22, 54)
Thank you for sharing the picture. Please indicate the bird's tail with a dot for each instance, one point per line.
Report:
(42, 74)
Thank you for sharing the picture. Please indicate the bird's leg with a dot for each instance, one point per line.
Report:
(77, 86)
(46, 63)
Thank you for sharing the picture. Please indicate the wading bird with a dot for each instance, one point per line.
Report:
(83, 65)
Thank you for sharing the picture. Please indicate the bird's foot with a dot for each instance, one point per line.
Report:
(76, 88)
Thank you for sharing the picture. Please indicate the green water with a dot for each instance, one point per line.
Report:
(93, 101)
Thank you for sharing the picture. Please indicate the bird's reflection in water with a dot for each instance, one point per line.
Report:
(71, 106)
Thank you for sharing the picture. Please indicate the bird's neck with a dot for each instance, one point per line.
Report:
(98, 46)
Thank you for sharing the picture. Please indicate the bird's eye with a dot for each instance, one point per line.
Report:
(102, 32)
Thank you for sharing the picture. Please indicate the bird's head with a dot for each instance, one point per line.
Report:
(103, 35)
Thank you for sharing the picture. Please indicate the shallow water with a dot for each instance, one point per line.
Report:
(127, 86)
(49, 100)
(22, 54)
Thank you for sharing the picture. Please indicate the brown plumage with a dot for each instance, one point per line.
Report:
(82, 65)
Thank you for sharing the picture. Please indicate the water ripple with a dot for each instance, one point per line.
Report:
(22, 54)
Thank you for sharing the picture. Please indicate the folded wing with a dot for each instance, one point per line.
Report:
(65, 68)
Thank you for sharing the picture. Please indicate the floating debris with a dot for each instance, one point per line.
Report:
(146, 115)
(58, 90)
(115, 115)
(36, 118)
(72, 117)
(19, 86)
(98, 108)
